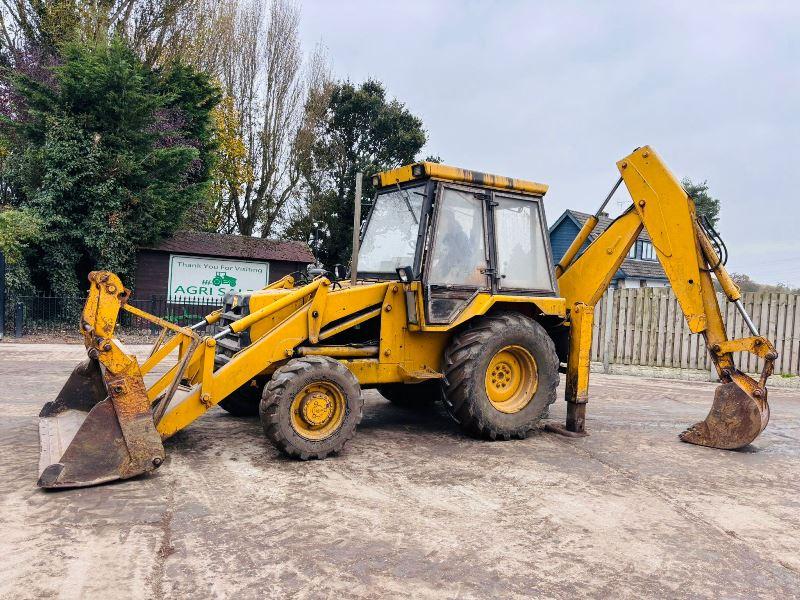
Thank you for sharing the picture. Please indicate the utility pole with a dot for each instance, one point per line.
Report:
(356, 231)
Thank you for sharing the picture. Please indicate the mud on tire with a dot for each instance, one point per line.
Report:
(467, 360)
(288, 382)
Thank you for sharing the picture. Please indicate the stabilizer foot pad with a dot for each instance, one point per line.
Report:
(560, 429)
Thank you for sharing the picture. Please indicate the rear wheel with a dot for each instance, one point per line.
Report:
(501, 375)
(244, 401)
(412, 395)
(311, 407)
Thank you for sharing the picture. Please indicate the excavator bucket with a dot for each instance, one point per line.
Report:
(735, 419)
(89, 436)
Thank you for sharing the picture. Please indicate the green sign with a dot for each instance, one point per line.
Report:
(198, 277)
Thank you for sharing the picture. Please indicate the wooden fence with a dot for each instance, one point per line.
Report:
(645, 326)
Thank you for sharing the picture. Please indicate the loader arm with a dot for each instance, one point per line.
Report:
(667, 213)
(107, 424)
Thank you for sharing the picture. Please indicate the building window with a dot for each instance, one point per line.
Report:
(648, 252)
(632, 253)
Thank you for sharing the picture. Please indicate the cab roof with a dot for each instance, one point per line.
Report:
(430, 170)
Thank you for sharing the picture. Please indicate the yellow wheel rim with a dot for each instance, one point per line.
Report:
(511, 379)
(318, 410)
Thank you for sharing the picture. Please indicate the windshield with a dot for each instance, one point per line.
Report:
(391, 237)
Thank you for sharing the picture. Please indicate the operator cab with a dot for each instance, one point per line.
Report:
(460, 232)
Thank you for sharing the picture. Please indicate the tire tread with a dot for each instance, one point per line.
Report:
(277, 389)
(461, 364)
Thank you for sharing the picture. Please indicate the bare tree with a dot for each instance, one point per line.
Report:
(199, 34)
(154, 28)
(260, 68)
(305, 204)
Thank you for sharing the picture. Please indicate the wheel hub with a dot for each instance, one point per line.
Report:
(316, 408)
(511, 379)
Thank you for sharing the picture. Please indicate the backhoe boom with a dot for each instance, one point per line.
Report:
(663, 208)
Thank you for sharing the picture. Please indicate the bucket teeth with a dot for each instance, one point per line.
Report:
(696, 434)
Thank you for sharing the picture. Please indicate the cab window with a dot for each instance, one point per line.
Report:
(522, 260)
(459, 253)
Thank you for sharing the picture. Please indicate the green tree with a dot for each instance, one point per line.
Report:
(18, 229)
(707, 205)
(360, 130)
(110, 155)
(746, 284)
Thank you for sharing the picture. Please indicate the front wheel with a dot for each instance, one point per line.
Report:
(311, 407)
(501, 374)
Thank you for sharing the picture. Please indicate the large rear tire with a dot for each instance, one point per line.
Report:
(244, 401)
(412, 395)
(501, 375)
(311, 407)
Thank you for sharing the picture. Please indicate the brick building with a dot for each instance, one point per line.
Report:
(203, 266)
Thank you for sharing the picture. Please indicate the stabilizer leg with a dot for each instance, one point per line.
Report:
(578, 368)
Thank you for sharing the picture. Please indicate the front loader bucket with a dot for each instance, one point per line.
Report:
(735, 419)
(88, 436)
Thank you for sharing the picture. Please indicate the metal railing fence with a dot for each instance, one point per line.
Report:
(37, 315)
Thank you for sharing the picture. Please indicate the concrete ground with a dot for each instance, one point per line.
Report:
(412, 508)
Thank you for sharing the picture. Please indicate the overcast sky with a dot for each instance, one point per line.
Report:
(559, 91)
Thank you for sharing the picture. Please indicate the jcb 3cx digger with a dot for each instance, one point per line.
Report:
(456, 299)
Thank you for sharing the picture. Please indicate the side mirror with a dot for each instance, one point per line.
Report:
(405, 274)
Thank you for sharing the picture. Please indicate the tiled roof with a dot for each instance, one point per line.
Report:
(633, 268)
(602, 224)
(642, 269)
(235, 246)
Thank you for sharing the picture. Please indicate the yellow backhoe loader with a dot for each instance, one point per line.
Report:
(455, 298)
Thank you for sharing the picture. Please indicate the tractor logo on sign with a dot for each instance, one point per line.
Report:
(223, 279)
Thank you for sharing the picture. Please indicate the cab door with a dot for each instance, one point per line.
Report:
(458, 262)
